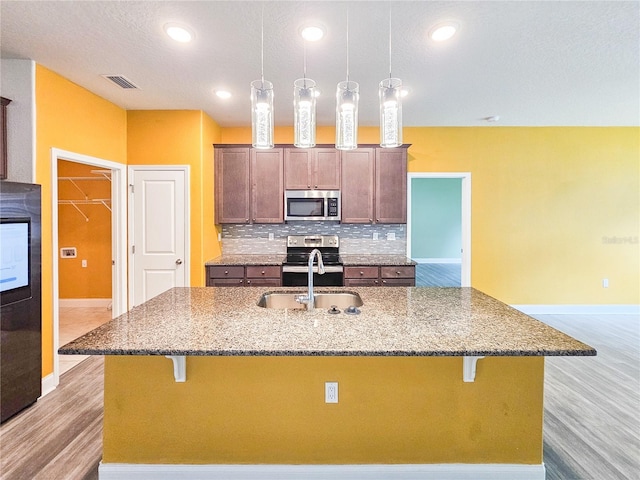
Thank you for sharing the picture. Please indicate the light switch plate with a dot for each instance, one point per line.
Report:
(391, 236)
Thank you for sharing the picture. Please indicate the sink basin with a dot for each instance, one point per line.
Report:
(323, 300)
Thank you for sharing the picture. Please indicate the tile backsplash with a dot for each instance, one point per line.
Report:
(355, 239)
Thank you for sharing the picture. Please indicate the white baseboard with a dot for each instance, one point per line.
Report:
(85, 302)
(120, 471)
(48, 384)
(578, 309)
(438, 260)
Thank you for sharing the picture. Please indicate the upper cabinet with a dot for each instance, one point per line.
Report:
(358, 172)
(267, 199)
(311, 169)
(3, 140)
(248, 185)
(374, 185)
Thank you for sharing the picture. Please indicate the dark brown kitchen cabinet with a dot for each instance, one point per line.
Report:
(380, 276)
(232, 185)
(361, 276)
(263, 276)
(312, 169)
(391, 185)
(374, 185)
(398, 276)
(3, 141)
(357, 192)
(240, 276)
(248, 185)
(267, 197)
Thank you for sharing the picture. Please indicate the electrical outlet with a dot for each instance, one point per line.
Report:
(375, 235)
(271, 236)
(391, 236)
(330, 392)
(605, 283)
(84, 264)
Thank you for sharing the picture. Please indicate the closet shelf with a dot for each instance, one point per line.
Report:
(100, 175)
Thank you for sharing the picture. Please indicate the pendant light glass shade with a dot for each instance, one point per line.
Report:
(262, 114)
(347, 96)
(304, 113)
(390, 98)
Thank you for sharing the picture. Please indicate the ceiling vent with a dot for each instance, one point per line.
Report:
(121, 81)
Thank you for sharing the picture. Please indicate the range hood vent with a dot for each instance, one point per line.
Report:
(121, 81)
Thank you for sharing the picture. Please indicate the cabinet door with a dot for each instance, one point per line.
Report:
(391, 185)
(357, 185)
(298, 168)
(232, 185)
(326, 169)
(268, 185)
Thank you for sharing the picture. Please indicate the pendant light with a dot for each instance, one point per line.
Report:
(390, 98)
(304, 108)
(262, 104)
(347, 96)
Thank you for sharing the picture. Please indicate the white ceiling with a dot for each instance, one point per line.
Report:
(539, 63)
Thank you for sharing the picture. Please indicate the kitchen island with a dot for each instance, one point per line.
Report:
(253, 403)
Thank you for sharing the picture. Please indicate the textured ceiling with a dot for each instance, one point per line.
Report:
(532, 63)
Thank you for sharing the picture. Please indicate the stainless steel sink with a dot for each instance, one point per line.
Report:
(326, 300)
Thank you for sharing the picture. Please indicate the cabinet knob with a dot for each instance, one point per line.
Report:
(315, 186)
(397, 273)
(371, 219)
(254, 219)
(361, 273)
(246, 220)
(248, 281)
(375, 281)
(226, 272)
(241, 281)
(262, 272)
(384, 281)
(309, 186)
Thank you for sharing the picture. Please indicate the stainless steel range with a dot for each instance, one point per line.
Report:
(295, 268)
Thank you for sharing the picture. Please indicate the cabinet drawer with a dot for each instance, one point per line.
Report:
(225, 282)
(398, 282)
(361, 272)
(361, 282)
(226, 271)
(263, 282)
(405, 271)
(266, 271)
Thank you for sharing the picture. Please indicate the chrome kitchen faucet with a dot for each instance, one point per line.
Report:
(309, 299)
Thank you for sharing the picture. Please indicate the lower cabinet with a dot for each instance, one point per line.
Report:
(385, 276)
(239, 276)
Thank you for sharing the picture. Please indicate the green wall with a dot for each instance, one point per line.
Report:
(436, 224)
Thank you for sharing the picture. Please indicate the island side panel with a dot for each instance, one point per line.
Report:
(271, 410)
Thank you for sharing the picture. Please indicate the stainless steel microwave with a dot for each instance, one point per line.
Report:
(312, 205)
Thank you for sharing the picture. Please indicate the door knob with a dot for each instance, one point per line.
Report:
(178, 262)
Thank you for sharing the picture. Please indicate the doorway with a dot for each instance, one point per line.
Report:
(439, 227)
(116, 202)
(158, 230)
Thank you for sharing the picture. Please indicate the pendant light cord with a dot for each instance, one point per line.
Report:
(262, 46)
(347, 48)
(389, 39)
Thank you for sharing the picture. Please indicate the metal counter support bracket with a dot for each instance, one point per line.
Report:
(179, 367)
(469, 368)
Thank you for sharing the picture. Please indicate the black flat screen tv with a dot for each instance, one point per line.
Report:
(15, 259)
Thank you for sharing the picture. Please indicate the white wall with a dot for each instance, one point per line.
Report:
(17, 83)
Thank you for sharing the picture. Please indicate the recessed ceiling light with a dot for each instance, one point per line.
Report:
(443, 31)
(223, 94)
(312, 33)
(180, 33)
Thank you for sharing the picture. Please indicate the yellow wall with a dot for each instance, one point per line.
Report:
(70, 118)
(545, 204)
(92, 238)
(271, 410)
(181, 137)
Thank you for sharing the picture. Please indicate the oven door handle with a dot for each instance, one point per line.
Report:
(303, 269)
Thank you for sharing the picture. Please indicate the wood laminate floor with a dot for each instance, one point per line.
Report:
(592, 424)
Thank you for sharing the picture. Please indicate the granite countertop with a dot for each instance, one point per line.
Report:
(249, 259)
(373, 259)
(394, 321)
(277, 259)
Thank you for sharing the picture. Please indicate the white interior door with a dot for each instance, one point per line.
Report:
(158, 228)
